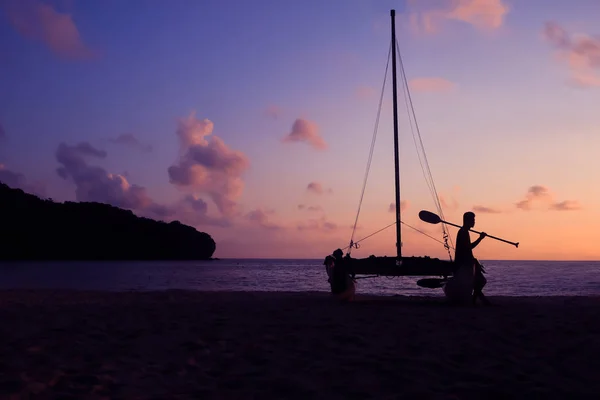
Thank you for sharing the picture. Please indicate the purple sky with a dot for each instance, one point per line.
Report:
(222, 113)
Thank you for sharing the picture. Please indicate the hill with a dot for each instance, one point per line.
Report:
(35, 229)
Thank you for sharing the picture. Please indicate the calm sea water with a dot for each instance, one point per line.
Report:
(508, 278)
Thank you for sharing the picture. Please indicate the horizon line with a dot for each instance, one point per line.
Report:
(312, 259)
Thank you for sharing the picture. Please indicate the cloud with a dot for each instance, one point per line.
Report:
(317, 188)
(17, 180)
(404, 204)
(192, 210)
(273, 111)
(320, 224)
(429, 16)
(538, 191)
(209, 167)
(305, 131)
(534, 194)
(541, 194)
(431, 85)
(196, 204)
(486, 210)
(261, 218)
(309, 208)
(93, 183)
(567, 205)
(581, 54)
(128, 139)
(41, 21)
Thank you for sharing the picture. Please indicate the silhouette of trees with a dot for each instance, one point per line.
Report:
(36, 229)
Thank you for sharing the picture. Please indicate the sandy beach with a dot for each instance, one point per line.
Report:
(224, 345)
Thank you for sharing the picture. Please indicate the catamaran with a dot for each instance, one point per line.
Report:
(438, 271)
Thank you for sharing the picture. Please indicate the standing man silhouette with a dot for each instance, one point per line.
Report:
(464, 256)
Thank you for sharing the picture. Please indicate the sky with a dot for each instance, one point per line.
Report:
(252, 120)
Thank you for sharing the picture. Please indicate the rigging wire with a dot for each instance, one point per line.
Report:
(355, 244)
(422, 161)
(351, 245)
(431, 182)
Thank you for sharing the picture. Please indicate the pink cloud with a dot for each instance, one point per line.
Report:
(209, 167)
(196, 203)
(190, 209)
(486, 210)
(320, 224)
(40, 21)
(541, 194)
(480, 13)
(307, 132)
(262, 219)
(429, 16)
(534, 194)
(309, 208)
(404, 204)
(567, 205)
(580, 53)
(317, 188)
(95, 184)
(431, 85)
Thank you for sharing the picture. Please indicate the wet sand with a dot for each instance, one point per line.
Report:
(224, 345)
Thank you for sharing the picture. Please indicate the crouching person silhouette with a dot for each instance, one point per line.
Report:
(342, 284)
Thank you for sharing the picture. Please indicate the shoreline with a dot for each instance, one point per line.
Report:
(236, 345)
(364, 296)
(317, 260)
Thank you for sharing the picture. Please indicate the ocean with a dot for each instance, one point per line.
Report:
(505, 278)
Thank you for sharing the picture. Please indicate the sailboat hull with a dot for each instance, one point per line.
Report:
(410, 266)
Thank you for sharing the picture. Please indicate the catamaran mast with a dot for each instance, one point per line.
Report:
(396, 156)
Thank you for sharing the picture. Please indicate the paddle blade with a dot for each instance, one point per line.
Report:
(430, 217)
(431, 283)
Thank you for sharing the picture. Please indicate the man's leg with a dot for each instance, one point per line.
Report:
(480, 283)
(459, 288)
(477, 293)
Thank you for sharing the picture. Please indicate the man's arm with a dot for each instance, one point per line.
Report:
(479, 239)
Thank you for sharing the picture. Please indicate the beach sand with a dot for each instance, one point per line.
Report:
(223, 345)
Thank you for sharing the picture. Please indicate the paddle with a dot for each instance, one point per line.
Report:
(432, 218)
(431, 283)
